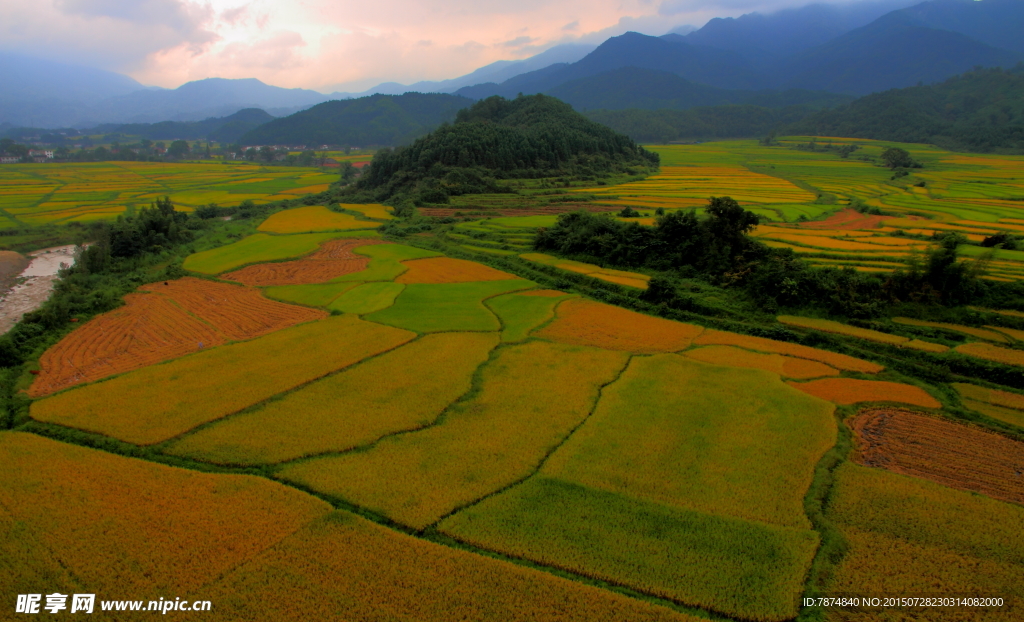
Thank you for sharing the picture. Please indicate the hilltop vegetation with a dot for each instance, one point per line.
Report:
(982, 110)
(526, 137)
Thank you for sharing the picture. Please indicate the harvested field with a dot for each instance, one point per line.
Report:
(159, 402)
(345, 567)
(399, 390)
(260, 248)
(121, 525)
(701, 437)
(847, 219)
(428, 308)
(853, 391)
(495, 438)
(587, 323)
(789, 367)
(955, 455)
(520, 313)
(980, 333)
(993, 353)
(829, 326)
(166, 321)
(334, 258)
(691, 557)
(760, 344)
(313, 218)
(448, 270)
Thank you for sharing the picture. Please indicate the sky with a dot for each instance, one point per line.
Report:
(330, 45)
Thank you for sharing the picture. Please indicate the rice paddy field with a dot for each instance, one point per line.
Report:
(80, 192)
(366, 428)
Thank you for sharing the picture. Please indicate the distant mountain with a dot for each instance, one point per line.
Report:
(978, 111)
(37, 92)
(765, 38)
(201, 99)
(999, 23)
(700, 64)
(377, 120)
(495, 72)
(894, 51)
(218, 129)
(631, 87)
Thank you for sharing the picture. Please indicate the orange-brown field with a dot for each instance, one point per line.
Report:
(760, 344)
(800, 369)
(448, 270)
(334, 258)
(853, 391)
(993, 353)
(953, 454)
(544, 293)
(164, 321)
(586, 323)
(846, 220)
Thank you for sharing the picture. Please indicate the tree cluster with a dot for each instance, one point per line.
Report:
(496, 138)
(718, 249)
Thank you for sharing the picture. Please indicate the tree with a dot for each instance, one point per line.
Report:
(178, 149)
(267, 153)
(894, 158)
(348, 172)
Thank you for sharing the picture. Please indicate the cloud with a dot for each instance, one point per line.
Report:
(518, 42)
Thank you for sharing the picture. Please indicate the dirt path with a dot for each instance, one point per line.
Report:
(33, 284)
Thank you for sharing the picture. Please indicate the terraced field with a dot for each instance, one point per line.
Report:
(59, 193)
(484, 447)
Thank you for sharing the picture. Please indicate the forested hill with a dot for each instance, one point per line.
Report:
(376, 120)
(527, 137)
(982, 110)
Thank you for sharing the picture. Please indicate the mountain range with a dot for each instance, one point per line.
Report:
(818, 56)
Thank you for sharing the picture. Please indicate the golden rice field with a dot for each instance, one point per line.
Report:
(838, 328)
(587, 323)
(159, 402)
(398, 391)
(804, 196)
(161, 322)
(311, 219)
(907, 535)
(121, 525)
(482, 444)
(854, 391)
(760, 344)
(76, 192)
(447, 413)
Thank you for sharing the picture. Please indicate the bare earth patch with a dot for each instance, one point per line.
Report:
(334, 258)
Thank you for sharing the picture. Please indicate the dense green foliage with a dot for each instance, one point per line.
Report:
(632, 87)
(718, 249)
(526, 137)
(219, 129)
(367, 121)
(727, 121)
(982, 110)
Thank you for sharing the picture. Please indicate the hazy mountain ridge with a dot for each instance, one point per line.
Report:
(366, 121)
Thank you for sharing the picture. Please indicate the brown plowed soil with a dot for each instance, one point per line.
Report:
(162, 322)
(448, 270)
(335, 258)
(848, 219)
(953, 454)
